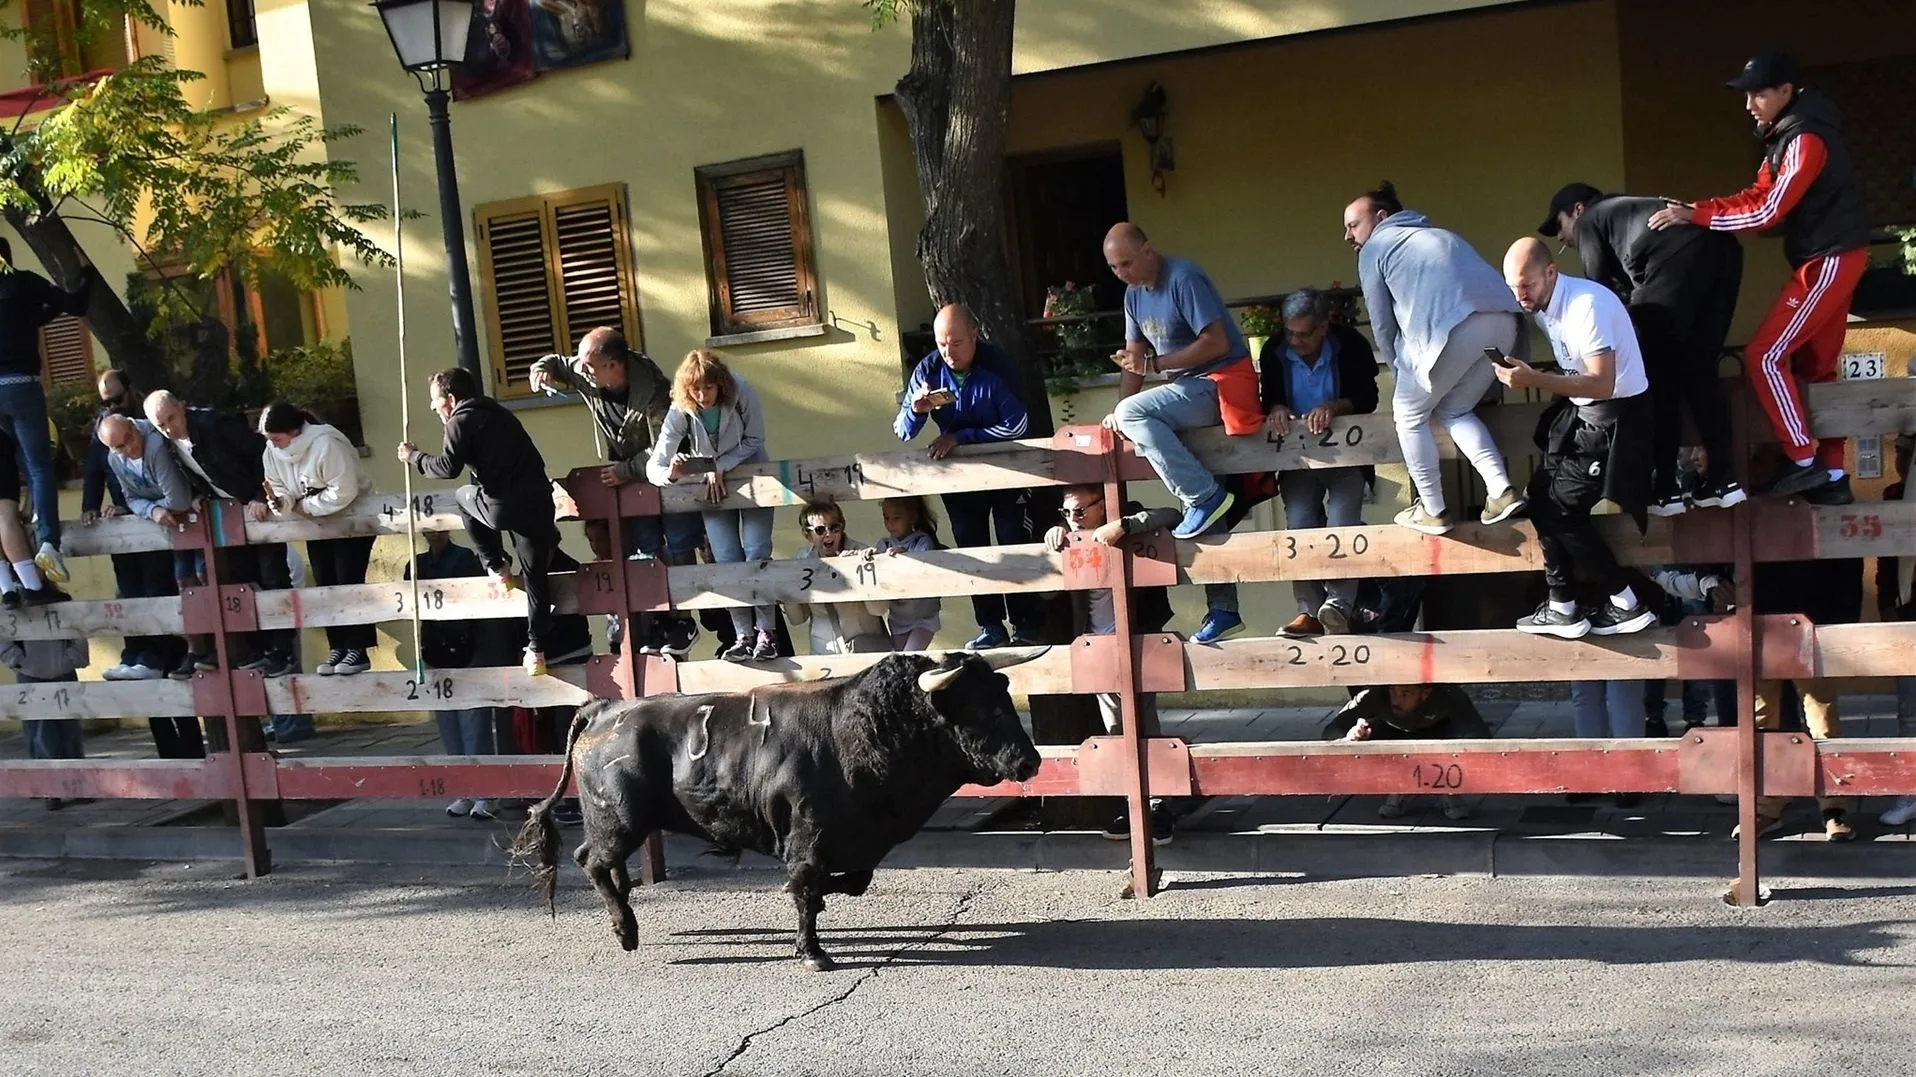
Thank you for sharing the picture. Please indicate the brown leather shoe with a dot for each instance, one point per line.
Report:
(1302, 625)
(1836, 826)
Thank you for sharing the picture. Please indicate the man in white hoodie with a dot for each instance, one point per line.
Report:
(1435, 305)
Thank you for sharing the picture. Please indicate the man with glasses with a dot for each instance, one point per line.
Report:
(1312, 374)
(1095, 612)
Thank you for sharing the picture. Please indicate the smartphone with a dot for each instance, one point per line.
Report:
(939, 398)
(1499, 358)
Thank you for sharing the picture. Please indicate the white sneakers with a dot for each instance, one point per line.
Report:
(133, 672)
(1902, 813)
(51, 564)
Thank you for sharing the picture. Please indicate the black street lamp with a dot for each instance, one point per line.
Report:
(430, 38)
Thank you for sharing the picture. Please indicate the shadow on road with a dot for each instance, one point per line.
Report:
(1157, 944)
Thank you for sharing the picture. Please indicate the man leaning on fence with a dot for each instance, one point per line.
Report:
(628, 396)
(157, 489)
(1595, 440)
(1175, 323)
(223, 457)
(1312, 374)
(968, 388)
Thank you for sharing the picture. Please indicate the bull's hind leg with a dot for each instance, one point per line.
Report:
(605, 866)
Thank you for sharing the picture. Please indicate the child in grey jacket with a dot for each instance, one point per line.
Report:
(910, 527)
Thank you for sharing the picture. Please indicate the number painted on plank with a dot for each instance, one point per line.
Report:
(1358, 546)
(1868, 527)
(432, 787)
(430, 688)
(868, 572)
(1437, 776)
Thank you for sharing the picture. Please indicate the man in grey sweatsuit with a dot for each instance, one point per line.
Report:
(1435, 305)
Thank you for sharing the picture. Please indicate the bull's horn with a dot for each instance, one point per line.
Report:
(937, 680)
(1006, 657)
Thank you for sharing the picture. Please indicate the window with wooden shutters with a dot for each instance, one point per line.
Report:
(242, 29)
(66, 355)
(554, 268)
(53, 49)
(758, 245)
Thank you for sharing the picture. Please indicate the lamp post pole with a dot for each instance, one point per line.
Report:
(465, 336)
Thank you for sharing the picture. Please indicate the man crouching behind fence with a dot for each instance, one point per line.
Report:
(1595, 441)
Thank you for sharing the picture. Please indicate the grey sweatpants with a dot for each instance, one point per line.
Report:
(1459, 379)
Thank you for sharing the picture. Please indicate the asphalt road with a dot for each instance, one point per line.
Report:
(167, 969)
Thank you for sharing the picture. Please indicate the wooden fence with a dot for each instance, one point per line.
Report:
(1139, 764)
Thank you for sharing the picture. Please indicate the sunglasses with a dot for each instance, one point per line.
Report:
(1081, 513)
(825, 529)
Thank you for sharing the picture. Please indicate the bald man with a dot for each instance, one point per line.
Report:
(1595, 441)
(1175, 323)
(969, 388)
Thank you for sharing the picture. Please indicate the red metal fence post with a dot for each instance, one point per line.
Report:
(219, 694)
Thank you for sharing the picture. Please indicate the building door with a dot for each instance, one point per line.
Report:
(1058, 206)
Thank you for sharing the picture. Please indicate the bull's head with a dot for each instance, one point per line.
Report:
(973, 702)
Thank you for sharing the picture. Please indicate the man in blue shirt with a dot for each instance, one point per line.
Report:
(968, 387)
(1175, 322)
(1312, 374)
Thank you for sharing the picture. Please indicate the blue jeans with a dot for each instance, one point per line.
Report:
(1151, 419)
(52, 738)
(677, 534)
(23, 414)
(742, 535)
(1607, 708)
(474, 731)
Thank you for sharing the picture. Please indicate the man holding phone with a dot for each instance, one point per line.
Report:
(1595, 441)
(968, 388)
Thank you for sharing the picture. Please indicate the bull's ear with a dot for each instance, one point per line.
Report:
(937, 680)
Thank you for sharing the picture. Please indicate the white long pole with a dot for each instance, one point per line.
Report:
(405, 404)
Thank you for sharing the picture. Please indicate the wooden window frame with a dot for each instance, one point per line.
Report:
(547, 207)
(807, 317)
(65, 29)
(236, 28)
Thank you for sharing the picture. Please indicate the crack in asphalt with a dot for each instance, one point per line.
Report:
(745, 1042)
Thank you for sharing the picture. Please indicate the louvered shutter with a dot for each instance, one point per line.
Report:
(589, 248)
(51, 44)
(66, 356)
(758, 244)
(554, 268)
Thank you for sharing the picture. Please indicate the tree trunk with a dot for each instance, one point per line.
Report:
(957, 100)
(107, 317)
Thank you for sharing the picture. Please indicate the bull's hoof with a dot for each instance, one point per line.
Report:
(627, 932)
(817, 962)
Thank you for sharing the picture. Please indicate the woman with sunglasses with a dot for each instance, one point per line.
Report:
(715, 425)
(836, 627)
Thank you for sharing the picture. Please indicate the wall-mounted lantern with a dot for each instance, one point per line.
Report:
(1151, 116)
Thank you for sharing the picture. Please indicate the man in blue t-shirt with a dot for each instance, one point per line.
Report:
(968, 387)
(1175, 322)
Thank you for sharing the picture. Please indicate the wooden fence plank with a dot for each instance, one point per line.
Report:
(98, 699)
(1470, 657)
(443, 689)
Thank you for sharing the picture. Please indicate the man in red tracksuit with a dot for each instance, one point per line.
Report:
(1806, 184)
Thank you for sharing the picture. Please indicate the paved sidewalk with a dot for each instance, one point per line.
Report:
(1323, 835)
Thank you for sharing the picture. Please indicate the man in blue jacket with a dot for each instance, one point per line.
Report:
(967, 388)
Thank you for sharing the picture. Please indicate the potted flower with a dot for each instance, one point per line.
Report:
(1073, 337)
(1259, 324)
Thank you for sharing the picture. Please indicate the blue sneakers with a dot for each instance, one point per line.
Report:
(988, 637)
(1218, 625)
(1204, 515)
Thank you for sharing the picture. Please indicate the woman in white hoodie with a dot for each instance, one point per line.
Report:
(313, 470)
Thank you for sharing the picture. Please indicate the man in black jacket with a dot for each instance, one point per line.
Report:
(1681, 285)
(509, 493)
(1312, 374)
(27, 303)
(224, 457)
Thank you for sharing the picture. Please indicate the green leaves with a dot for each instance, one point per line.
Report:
(193, 189)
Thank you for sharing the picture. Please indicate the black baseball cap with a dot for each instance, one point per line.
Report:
(1572, 194)
(1771, 67)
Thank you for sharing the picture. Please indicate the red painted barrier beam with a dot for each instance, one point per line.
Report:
(144, 779)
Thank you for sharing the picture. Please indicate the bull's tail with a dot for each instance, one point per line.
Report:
(537, 844)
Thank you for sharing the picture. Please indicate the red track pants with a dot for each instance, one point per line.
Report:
(1802, 338)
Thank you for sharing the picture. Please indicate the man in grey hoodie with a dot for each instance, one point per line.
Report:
(1435, 305)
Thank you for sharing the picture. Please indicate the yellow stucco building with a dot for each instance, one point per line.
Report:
(612, 191)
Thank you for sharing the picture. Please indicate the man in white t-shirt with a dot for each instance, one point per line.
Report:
(1595, 442)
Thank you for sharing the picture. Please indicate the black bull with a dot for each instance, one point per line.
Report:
(826, 776)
